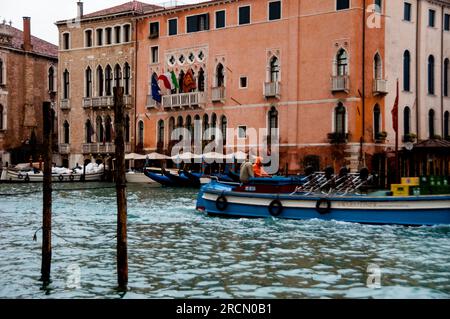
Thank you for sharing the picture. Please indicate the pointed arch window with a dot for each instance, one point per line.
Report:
(66, 86)
(446, 76)
(189, 126)
(51, 78)
(171, 127)
(126, 78)
(273, 124)
(66, 128)
(100, 81)
(446, 125)
(407, 121)
(406, 71)
(342, 63)
(201, 80)
(376, 121)
(220, 76)
(108, 81)
(99, 125)
(117, 76)
(141, 133)
(274, 70)
(161, 132)
(127, 128)
(88, 80)
(431, 124)
(378, 67)
(223, 127)
(108, 129)
(431, 75)
(88, 131)
(339, 119)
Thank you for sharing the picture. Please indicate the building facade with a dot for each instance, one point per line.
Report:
(28, 69)
(418, 53)
(97, 53)
(269, 64)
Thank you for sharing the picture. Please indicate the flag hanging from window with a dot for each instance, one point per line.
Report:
(156, 95)
(174, 79)
(189, 82)
(395, 112)
(165, 78)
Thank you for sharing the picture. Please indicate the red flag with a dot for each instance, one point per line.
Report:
(395, 112)
(189, 82)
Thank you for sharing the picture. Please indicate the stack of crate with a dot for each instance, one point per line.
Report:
(409, 186)
(434, 185)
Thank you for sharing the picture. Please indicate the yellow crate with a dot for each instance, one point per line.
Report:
(400, 189)
(411, 181)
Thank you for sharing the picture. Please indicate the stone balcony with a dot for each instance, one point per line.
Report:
(105, 102)
(188, 100)
(65, 104)
(272, 89)
(218, 94)
(151, 103)
(340, 83)
(64, 149)
(103, 148)
(379, 86)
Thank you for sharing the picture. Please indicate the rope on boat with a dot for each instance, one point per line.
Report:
(56, 190)
(65, 239)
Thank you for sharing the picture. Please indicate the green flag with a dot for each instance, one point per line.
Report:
(174, 80)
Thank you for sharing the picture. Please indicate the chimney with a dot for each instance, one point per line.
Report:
(80, 9)
(27, 34)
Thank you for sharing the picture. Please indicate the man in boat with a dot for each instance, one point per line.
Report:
(258, 168)
(246, 171)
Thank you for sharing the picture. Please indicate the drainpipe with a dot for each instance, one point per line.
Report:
(363, 83)
(135, 82)
(442, 72)
(418, 20)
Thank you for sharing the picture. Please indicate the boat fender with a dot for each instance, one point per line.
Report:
(20, 176)
(221, 203)
(320, 206)
(27, 178)
(276, 208)
(61, 178)
(72, 178)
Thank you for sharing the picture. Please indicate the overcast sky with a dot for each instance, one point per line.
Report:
(44, 13)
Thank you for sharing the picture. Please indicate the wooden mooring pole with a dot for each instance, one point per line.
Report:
(122, 254)
(47, 196)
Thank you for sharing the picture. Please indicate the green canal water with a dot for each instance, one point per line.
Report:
(177, 252)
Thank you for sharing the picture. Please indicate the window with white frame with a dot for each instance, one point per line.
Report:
(2, 117)
(66, 41)
(172, 26)
(154, 55)
(108, 36)
(99, 36)
(342, 4)
(243, 82)
(126, 33)
(242, 131)
(220, 19)
(88, 38)
(274, 10)
(117, 34)
(244, 15)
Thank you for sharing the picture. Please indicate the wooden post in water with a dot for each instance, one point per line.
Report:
(47, 196)
(122, 254)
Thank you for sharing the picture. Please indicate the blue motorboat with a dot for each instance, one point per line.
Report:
(259, 200)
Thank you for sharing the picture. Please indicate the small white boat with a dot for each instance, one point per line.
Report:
(30, 176)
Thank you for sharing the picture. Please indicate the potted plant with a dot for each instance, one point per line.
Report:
(381, 136)
(411, 137)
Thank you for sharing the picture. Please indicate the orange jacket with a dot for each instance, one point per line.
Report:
(258, 168)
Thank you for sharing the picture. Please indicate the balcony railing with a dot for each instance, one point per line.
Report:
(338, 137)
(64, 148)
(104, 102)
(151, 103)
(272, 89)
(190, 100)
(379, 86)
(340, 83)
(65, 104)
(103, 148)
(218, 94)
